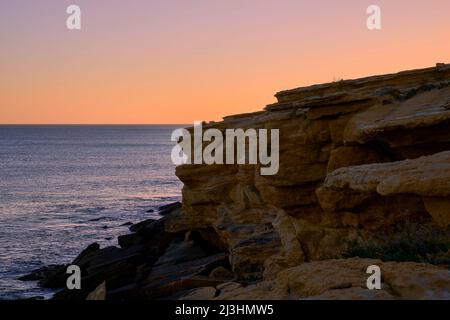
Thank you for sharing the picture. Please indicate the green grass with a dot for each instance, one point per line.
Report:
(416, 243)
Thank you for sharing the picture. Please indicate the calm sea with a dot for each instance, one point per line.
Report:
(64, 187)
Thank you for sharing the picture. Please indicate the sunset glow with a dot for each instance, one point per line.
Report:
(139, 62)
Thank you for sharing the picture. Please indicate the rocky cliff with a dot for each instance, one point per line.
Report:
(364, 179)
(359, 161)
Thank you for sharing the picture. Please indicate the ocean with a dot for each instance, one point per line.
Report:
(65, 187)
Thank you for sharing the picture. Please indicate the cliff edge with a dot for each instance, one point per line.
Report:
(364, 179)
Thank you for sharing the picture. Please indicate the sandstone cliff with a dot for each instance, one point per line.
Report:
(364, 171)
(359, 160)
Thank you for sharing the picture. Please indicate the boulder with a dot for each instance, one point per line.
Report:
(166, 280)
(51, 276)
(168, 208)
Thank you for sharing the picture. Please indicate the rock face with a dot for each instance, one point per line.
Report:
(358, 159)
(361, 162)
(427, 177)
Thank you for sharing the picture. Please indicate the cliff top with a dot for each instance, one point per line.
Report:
(400, 78)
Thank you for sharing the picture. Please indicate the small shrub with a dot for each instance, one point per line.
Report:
(428, 244)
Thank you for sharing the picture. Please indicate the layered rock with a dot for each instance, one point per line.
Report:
(427, 177)
(358, 158)
(362, 161)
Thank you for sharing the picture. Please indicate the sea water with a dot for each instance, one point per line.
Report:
(64, 187)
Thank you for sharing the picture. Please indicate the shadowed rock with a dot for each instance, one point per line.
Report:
(360, 160)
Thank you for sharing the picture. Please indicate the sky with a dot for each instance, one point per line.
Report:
(177, 61)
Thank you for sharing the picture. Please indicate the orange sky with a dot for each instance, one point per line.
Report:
(179, 61)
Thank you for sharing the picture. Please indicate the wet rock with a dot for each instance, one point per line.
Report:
(54, 276)
(116, 266)
(49, 276)
(169, 208)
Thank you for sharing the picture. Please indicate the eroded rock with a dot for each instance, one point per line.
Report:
(359, 159)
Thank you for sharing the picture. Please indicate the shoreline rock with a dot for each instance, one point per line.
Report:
(361, 161)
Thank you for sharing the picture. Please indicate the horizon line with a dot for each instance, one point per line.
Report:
(92, 124)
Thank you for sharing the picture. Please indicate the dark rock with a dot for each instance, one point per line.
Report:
(42, 273)
(93, 247)
(97, 259)
(168, 208)
(180, 251)
(115, 275)
(172, 205)
(166, 280)
(116, 266)
(55, 280)
(54, 276)
(221, 273)
(97, 219)
(126, 224)
(35, 298)
(127, 292)
(150, 233)
(150, 211)
(202, 293)
(209, 240)
(142, 225)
